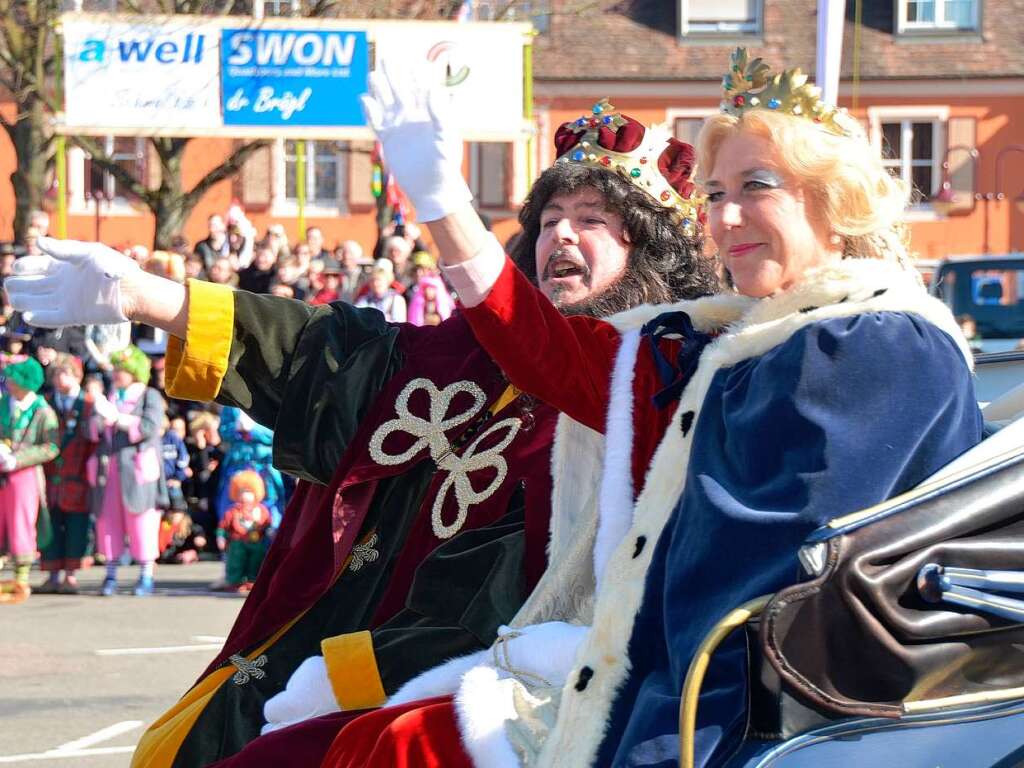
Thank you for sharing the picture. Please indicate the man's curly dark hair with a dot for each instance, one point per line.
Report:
(664, 265)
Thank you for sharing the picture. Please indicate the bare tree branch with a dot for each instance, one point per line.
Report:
(100, 158)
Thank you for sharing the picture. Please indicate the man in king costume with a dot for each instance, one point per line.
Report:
(809, 391)
(424, 518)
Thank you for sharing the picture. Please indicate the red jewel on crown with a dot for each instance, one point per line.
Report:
(739, 101)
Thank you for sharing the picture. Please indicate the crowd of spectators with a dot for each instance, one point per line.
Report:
(206, 448)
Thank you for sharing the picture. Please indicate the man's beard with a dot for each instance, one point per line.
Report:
(626, 292)
(617, 297)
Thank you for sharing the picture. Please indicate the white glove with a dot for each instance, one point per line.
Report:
(7, 460)
(544, 651)
(105, 409)
(72, 283)
(308, 694)
(422, 145)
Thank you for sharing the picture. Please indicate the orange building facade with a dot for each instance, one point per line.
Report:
(932, 80)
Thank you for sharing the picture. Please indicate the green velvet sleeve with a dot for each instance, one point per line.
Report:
(309, 373)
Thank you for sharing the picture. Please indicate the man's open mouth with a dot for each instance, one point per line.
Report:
(564, 265)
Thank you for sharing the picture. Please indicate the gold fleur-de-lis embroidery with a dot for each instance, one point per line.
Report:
(431, 434)
(248, 670)
(364, 553)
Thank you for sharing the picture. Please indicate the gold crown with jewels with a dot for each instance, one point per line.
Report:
(751, 85)
(638, 166)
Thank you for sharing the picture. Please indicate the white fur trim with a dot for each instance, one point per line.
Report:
(615, 508)
(438, 681)
(483, 704)
(845, 290)
(474, 278)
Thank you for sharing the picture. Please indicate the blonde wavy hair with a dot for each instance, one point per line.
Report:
(856, 195)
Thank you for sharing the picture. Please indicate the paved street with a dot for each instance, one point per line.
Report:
(81, 676)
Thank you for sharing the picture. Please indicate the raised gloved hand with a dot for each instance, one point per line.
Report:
(541, 654)
(422, 144)
(71, 283)
(308, 694)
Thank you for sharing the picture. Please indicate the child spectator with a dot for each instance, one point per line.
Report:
(431, 303)
(126, 469)
(181, 540)
(243, 530)
(28, 439)
(176, 461)
(67, 489)
(205, 458)
(248, 445)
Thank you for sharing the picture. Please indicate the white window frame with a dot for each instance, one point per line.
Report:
(687, 29)
(78, 203)
(939, 23)
(281, 205)
(511, 174)
(939, 116)
(686, 113)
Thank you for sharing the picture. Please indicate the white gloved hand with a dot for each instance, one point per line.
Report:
(105, 409)
(421, 142)
(545, 651)
(72, 283)
(308, 694)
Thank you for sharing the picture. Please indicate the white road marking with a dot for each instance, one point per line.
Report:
(81, 747)
(104, 734)
(207, 639)
(55, 755)
(157, 649)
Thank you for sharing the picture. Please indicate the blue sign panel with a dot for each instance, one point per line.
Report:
(293, 77)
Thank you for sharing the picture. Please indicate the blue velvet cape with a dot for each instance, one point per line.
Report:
(844, 414)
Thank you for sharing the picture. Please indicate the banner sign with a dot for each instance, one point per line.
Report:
(135, 75)
(293, 77)
(482, 64)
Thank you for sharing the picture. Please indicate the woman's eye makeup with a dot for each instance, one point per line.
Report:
(763, 178)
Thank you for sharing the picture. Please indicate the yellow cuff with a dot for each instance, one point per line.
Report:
(196, 367)
(352, 669)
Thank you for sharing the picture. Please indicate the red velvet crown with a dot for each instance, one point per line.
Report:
(659, 164)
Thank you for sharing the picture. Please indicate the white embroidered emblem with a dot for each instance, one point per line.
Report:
(432, 434)
(248, 669)
(364, 553)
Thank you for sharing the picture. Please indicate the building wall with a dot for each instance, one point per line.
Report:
(933, 236)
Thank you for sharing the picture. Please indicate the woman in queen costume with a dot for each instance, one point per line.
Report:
(825, 382)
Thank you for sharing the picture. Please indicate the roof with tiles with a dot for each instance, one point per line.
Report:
(642, 44)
